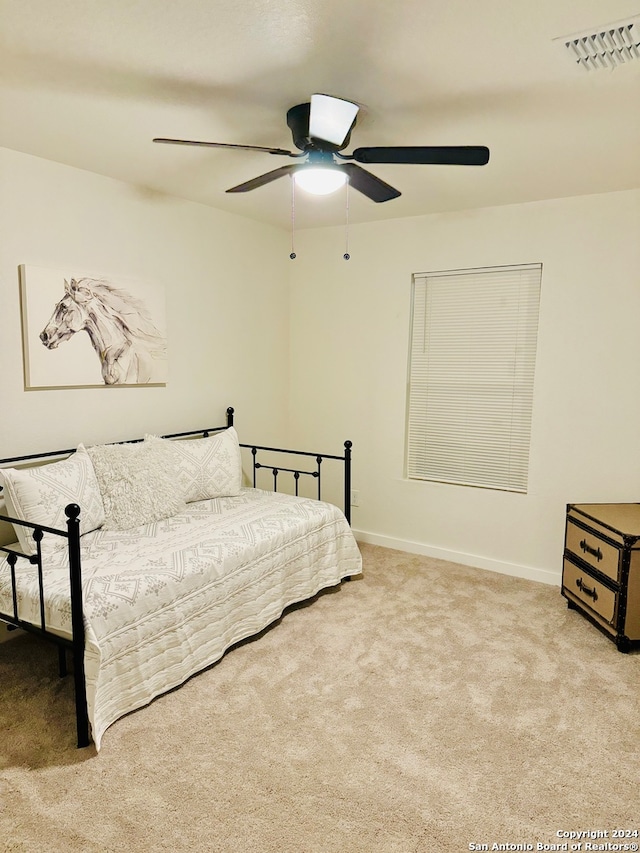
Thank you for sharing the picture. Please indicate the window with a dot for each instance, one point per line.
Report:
(471, 368)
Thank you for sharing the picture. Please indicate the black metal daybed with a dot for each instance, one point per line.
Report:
(144, 607)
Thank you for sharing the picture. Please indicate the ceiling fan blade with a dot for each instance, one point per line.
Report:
(261, 180)
(368, 184)
(331, 119)
(282, 151)
(452, 155)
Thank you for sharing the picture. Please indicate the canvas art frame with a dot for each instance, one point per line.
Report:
(88, 330)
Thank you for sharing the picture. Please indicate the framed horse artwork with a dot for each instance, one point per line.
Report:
(86, 331)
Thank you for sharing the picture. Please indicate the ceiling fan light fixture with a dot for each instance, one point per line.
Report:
(320, 180)
(331, 118)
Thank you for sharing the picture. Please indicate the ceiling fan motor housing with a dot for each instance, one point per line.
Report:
(298, 122)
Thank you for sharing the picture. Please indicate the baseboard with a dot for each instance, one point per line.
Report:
(528, 572)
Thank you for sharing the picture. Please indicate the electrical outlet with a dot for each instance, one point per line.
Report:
(355, 497)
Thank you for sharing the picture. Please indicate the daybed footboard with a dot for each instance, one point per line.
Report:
(297, 473)
(77, 641)
(74, 639)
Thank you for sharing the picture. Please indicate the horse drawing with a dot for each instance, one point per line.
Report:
(130, 347)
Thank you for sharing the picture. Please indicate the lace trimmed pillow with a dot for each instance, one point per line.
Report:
(207, 467)
(39, 495)
(138, 483)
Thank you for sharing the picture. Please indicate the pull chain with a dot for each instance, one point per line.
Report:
(346, 255)
(293, 217)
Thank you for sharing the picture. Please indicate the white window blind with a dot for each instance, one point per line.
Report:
(471, 369)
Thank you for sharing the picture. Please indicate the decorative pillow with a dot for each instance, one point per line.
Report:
(39, 495)
(207, 467)
(137, 482)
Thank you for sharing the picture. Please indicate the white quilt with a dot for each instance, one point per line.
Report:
(165, 600)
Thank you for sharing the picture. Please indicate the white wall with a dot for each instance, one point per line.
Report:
(227, 307)
(349, 343)
(339, 366)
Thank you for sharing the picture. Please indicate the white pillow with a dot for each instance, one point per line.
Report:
(137, 482)
(207, 467)
(40, 494)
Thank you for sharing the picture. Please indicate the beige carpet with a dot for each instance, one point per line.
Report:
(424, 707)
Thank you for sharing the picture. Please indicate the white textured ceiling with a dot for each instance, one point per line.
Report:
(89, 83)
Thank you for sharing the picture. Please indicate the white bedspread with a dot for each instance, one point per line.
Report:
(167, 599)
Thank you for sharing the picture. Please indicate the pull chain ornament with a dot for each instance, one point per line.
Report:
(346, 255)
(293, 218)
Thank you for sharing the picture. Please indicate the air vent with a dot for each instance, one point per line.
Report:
(605, 47)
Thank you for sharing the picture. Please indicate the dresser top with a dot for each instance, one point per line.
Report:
(623, 518)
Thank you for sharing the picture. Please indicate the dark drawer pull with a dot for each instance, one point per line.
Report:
(590, 593)
(595, 552)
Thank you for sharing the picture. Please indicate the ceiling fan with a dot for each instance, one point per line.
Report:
(321, 130)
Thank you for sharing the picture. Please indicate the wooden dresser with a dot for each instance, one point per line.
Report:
(601, 570)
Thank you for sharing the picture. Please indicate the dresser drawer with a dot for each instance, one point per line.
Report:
(590, 592)
(591, 549)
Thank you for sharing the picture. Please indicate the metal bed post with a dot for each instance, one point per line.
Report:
(319, 463)
(347, 480)
(77, 624)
